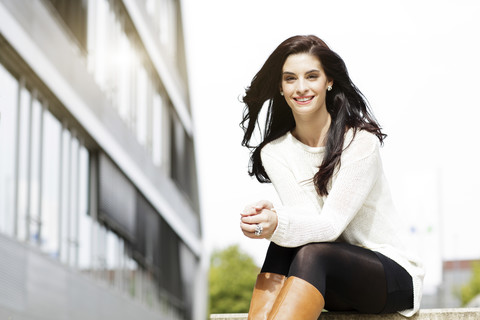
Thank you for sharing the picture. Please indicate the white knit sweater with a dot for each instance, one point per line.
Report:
(358, 209)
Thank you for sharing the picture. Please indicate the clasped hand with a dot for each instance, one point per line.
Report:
(260, 213)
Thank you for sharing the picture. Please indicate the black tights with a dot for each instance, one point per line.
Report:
(349, 277)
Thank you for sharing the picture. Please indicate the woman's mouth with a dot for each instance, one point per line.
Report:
(303, 100)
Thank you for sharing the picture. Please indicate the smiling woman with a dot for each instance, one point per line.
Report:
(304, 86)
(321, 153)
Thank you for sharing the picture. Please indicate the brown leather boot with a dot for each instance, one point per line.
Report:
(298, 299)
(266, 290)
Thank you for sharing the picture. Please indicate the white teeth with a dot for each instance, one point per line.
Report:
(304, 99)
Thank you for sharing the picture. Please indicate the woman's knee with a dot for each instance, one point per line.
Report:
(278, 259)
(312, 258)
(311, 263)
(314, 253)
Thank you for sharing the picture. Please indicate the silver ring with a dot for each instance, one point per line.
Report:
(258, 230)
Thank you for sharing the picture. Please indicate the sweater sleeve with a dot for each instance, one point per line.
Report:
(300, 223)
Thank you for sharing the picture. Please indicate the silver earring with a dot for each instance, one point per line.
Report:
(329, 88)
(281, 93)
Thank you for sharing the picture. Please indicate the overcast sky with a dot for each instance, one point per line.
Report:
(417, 62)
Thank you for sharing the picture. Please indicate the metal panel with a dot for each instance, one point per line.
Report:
(13, 289)
(79, 307)
(35, 287)
(117, 197)
(47, 284)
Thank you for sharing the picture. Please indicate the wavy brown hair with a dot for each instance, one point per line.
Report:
(347, 106)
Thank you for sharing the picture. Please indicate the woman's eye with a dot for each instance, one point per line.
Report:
(289, 79)
(313, 76)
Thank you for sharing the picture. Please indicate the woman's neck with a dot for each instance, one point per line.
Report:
(312, 132)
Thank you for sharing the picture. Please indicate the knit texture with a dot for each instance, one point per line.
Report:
(358, 209)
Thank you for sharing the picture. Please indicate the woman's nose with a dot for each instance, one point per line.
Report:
(301, 86)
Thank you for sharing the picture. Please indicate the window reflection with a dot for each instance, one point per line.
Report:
(122, 69)
(8, 121)
(34, 214)
(142, 105)
(158, 120)
(64, 217)
(23, 164)
(51, 186)
(163, 16)
(112, 258)
(84, 220)
(72, 214)
(167, 25)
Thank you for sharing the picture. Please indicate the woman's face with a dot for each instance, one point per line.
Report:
(304, 84)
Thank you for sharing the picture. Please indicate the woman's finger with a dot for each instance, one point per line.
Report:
(250, 210)
(257, 207)
(255, 219)
(250, 235)
(246, 227)
(263, 204)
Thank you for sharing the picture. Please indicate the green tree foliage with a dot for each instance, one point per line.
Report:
(232, 278)
(472, 288)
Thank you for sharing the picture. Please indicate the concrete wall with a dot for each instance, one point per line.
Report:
(428, 314)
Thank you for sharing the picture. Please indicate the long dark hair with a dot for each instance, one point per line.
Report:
(347, 106)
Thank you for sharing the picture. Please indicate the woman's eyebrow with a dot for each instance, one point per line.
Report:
(292, 73)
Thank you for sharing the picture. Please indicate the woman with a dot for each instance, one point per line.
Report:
(335, 241)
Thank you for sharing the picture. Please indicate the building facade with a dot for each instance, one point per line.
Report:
(99, 208)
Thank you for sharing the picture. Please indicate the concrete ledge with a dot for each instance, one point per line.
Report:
(427, 314)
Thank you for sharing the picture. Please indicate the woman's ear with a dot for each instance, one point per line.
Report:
(329, 84)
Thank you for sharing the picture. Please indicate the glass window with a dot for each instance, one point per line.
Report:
(182, 159)
(141, 105)
(73, 208)
(118, 63)
(8, 123)
(65, 193)
(168, 27)
(116, 198)
(85, 221)
(158, 115)
(113, 260)
(188, 265)
(179, 157)
(23, 164)
(51, 190)
(149, 120)
(99, 47)
(99, 252)
(132, 270)
(125, 90)
(34, 217)
(154, 10)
